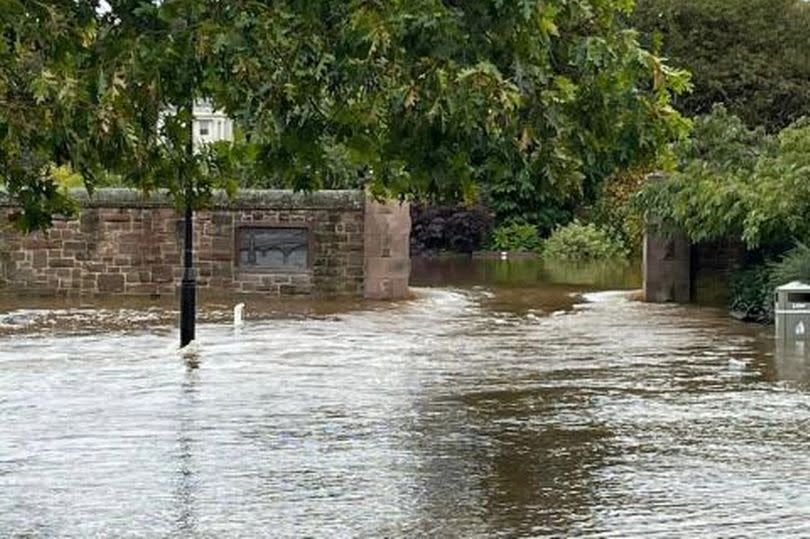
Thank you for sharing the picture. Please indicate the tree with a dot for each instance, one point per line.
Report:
(45, 53)
(530, 103)
(750, 55)
(738, 183)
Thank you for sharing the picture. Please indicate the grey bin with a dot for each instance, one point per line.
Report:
(792, 312)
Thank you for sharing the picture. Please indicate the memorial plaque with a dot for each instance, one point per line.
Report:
(273, 249)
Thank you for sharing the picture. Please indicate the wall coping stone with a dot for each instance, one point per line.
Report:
(244, 199)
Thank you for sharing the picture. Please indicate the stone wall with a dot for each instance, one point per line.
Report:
(5, 262)
(123, 243)
(677, 271)
(712, 265)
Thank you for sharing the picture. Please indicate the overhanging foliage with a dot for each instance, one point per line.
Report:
(734, 182)
(530, 103)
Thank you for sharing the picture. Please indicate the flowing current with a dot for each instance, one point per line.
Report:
(468, 411)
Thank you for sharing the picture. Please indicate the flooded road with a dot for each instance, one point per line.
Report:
(486, 406)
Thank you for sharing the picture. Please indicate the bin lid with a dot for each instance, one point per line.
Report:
(795, 286)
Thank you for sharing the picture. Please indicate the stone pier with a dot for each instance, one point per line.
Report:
(667, 266)
(387, 250)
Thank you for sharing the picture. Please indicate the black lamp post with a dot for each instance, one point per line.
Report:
(188, 286)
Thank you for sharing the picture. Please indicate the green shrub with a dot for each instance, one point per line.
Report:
(751, 294)
(515, 237)
(752, 289)
(615, 212)
(794, 266)
(578, 242)
(65, 177)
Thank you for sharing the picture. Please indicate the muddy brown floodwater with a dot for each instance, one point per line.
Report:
(499, 402)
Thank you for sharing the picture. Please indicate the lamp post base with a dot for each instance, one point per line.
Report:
(188, 305)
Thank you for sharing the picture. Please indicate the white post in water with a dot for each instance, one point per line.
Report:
(237, 315)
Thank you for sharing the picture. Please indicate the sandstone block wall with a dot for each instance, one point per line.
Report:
(123, 243)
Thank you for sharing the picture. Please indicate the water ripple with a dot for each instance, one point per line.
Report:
(450, 416)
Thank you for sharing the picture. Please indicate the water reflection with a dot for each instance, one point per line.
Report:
(542, 475)
(792, 362)
(186, 487)
(462, 270)
(474, 410)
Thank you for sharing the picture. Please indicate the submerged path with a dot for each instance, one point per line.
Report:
(459, 414)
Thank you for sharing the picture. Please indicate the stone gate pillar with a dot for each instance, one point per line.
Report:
(387, 263)
(667, 262)
(667, 268)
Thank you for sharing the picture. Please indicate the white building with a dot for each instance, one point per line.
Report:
(210, 125)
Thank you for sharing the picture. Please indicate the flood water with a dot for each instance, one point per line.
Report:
(501, 401)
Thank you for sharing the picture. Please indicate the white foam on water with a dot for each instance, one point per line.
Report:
(191, 350)
(607, 296)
